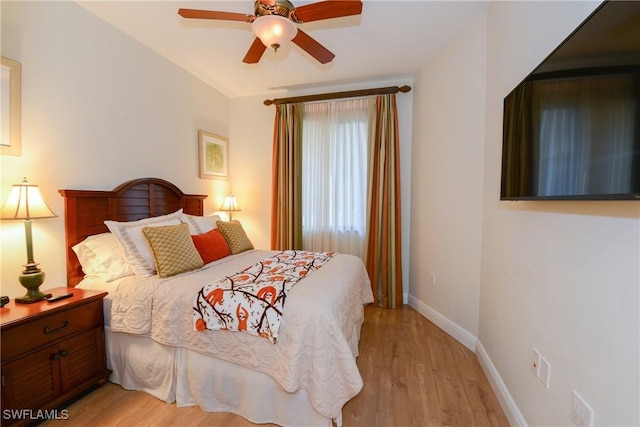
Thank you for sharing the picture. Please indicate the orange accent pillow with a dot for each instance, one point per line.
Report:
(211, 245)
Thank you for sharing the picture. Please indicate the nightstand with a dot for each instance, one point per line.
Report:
(51, 352)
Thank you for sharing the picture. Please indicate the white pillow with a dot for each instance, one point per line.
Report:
(135, 246)
(200, 224)
(101, 257)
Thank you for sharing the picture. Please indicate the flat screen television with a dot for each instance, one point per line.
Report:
(571, 129)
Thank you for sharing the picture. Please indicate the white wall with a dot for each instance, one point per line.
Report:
(98, 109)
(447, 185)
(562, 277)
(252, 135)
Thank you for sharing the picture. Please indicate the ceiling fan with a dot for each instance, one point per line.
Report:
(274, 23)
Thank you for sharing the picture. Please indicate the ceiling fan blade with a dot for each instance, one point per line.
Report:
(312, 47)
(328, 9)
(255, 52)
(210, 14)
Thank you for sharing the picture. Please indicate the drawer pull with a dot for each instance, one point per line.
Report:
(59, 355)
(64, 326)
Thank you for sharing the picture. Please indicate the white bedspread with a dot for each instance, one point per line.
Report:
(317, 346)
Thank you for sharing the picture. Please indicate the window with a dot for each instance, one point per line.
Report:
(334, 176)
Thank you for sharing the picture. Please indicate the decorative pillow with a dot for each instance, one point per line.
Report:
(211, 245)
(235, 236)
(200, 224)
(172, 249)
(101, 257)
(134, 245)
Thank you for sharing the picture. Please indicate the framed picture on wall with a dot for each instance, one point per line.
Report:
(213, 155)
(10, 141)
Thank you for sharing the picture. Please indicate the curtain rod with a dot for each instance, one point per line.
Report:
(338, 95)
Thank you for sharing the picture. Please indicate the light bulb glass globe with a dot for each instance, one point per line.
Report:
(274, 30)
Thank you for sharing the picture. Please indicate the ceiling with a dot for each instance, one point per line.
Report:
(391, 39)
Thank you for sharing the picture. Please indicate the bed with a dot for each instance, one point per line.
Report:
(301, 376)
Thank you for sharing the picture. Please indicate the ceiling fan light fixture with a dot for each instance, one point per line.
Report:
(274, 30)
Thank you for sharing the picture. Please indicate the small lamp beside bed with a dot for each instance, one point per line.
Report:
(230, 204)
(25, 202)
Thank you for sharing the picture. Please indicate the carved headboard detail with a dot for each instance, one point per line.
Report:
(86, 210)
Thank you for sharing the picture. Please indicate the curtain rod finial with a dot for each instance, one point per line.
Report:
(268, 102)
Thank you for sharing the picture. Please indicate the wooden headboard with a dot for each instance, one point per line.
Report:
(86, 210)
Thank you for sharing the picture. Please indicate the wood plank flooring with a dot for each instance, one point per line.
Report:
(414, 375)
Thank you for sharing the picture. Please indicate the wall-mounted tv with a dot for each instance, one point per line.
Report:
(571, 129)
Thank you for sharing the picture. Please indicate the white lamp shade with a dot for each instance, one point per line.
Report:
(230, 204)
(274, 30)
(25, 201)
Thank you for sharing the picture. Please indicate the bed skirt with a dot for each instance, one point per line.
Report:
(189, 378)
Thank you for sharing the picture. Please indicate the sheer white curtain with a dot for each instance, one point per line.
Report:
(334, 176)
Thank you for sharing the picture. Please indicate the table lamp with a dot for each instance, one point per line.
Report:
(26, 202)
(230, 204)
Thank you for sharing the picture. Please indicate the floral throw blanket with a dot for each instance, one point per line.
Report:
(253, 299)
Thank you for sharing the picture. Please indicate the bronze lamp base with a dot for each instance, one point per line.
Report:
(31, 278)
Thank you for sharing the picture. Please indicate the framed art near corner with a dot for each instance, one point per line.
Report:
(10, 108)
(213, 155)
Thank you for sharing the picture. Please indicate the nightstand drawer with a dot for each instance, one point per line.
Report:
(18, 340)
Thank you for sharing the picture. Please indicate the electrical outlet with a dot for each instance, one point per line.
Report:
(581, 412)
(544, 372)
(433, 278)
(535, 362)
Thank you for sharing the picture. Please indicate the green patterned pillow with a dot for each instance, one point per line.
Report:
(173, 249)
(235, 236)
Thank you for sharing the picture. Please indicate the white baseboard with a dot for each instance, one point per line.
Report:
(458, 333)
(509, 406)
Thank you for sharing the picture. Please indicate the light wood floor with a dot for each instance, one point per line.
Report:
(414, 375)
